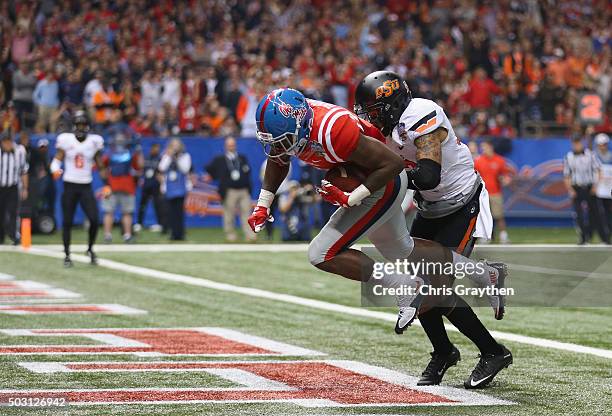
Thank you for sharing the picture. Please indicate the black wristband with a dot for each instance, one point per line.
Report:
(425, 175)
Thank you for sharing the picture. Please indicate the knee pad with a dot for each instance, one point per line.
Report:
(397, 249)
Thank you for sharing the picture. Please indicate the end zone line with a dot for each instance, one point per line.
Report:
(312, 303)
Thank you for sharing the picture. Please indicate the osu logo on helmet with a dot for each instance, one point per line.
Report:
(387, 88)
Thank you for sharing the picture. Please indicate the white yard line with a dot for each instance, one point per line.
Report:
(312, 303)
(287, 247)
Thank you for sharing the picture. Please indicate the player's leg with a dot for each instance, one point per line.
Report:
(12, 205)
(127, 204)
(329, 250)
(494, 357)
(145, 196)
(456, 231)
(444, 354)
(3, 201)
(229, 214)
(90, 207)
(70, 198)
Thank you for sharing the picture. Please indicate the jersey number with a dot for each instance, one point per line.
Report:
(591, 109)
(79, 161)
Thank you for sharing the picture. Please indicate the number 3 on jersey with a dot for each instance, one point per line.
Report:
(79, 161)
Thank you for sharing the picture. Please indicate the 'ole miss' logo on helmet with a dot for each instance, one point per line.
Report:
(289, 111)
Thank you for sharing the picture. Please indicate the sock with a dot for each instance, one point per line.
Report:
(466, 321)
(66, 239)
(434, 328)
(483, 275)
(93, 232)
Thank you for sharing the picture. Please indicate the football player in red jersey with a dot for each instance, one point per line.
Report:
(324, 136)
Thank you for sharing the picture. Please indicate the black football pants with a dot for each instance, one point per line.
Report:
(76, 193)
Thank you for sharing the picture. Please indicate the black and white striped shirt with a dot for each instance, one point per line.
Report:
(582, 168)
(13, 164)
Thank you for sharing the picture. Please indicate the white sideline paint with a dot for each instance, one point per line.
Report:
(313, 303)
(4, 276)
(23, 285)
(264, 343)
(106, 309)
(280, 248)
(112, 340)
(50, 295)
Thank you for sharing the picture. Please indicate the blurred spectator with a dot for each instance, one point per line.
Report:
(481, 90)
(294, 204)
(149, 190)
(123, 166)
(104, 101)
(171, 88)
(9, 120)
(46, 98)
(525, 56)
(582, 170)
(150, 94)
(501, 128)
(24, 82)
(604, 186)
(233, 173)
(495, 173)
(189, 114)
(92, 87)
(175, 166)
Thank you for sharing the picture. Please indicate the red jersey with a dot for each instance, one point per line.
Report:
(491, 169)
(334, 135)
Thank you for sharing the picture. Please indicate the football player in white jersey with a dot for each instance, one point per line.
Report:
(453, 209)
(79, 152)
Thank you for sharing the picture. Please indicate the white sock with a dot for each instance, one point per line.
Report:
(478, 271)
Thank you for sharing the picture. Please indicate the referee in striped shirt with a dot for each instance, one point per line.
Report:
(581, 170)
(13, 172)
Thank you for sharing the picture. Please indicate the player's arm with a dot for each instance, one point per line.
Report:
(275, 173)
(426, 174)
(382, 163)
(56, 164)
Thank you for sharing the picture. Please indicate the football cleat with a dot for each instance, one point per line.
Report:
(408, 307)
(405, 317)
(498, 301)
(93, 259)
(68, 262)
(487, 368)
(439, 363)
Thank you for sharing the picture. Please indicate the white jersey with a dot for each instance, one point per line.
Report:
(79, 156)
(423, 117)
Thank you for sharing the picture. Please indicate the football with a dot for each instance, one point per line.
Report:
(347, 176)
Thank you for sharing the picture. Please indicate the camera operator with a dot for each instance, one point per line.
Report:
(294, 205)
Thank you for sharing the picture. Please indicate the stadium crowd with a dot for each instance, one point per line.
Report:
(185, 67)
